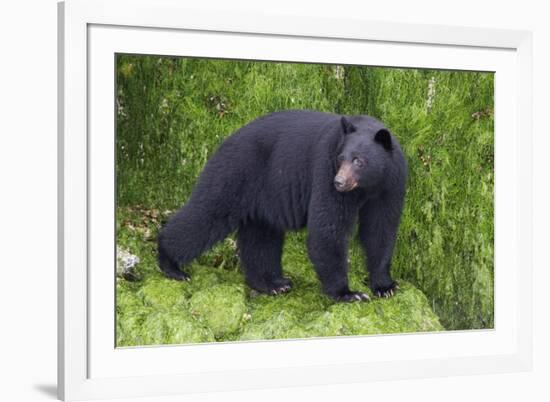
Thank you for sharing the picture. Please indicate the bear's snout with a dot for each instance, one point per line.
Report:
(339, 182)
(344, 180)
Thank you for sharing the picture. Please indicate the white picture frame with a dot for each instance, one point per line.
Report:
(89, 366)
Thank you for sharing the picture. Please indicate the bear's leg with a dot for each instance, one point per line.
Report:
(260, 249)
(378, 224)
(328, 252)
(189, 233)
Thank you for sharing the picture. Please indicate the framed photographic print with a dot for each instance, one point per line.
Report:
(255, 201)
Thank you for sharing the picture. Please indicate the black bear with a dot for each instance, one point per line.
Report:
(289, 170)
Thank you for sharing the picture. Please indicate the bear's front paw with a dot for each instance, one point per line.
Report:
(386, 291)
(274, 288)
(280, 286)
(351, 296)
(280, 290)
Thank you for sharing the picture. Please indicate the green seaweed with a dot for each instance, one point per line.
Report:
(172, 114)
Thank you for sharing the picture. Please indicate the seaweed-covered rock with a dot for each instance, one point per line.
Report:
(174, 327)
(129, 327)
(221, 308)
(282, 324)
(407, 311)
(159, 292)
(161, 311)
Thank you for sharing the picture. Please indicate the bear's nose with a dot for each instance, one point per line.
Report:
(339, 182)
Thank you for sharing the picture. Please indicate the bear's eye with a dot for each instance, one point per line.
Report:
(340, 158)
(357, 162)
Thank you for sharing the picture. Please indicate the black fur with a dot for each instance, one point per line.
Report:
(276, 174)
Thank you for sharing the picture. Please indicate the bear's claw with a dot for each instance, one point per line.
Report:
(353, 297)
(387, 293)
(276, 287)
(280, 290)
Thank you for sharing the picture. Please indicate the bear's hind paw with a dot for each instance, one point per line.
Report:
(177, 275)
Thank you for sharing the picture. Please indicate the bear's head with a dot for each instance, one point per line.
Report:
(364, 155)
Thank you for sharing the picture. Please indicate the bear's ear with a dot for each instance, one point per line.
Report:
(383, 137)
(347, 126)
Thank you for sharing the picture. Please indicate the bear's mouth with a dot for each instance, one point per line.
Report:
(344, 187)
